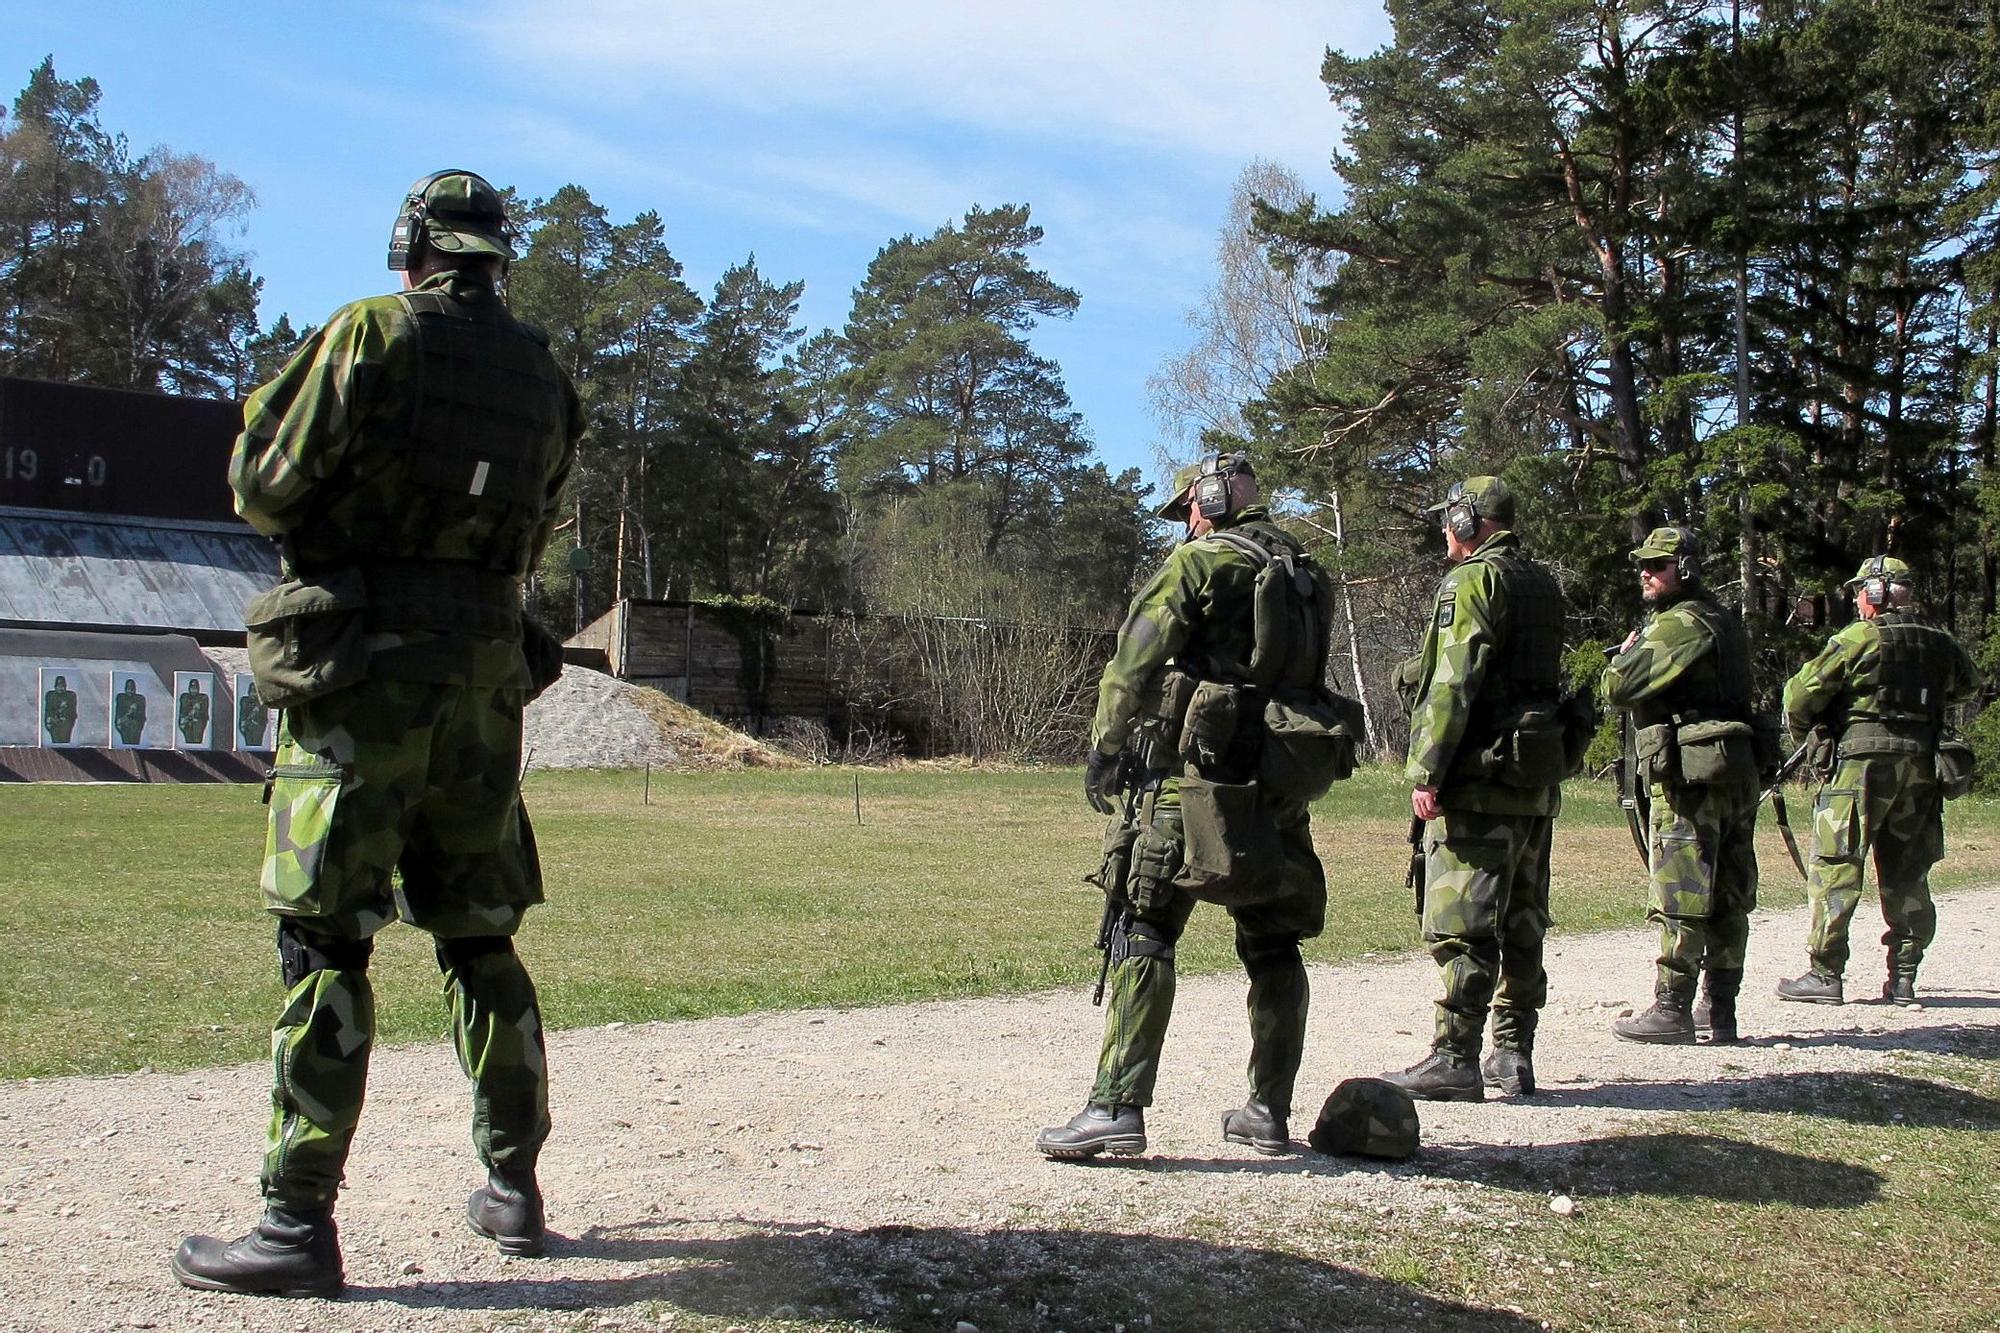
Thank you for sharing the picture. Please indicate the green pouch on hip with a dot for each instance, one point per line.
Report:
(306, 638)
(1231, 854)
(1309, 744)
(1712, 752)
(1957, 767)
(1653, 751)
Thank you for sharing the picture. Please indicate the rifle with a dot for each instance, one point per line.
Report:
(1114, 926)
(1625, 771)
(1413, 879)
(1775, 794)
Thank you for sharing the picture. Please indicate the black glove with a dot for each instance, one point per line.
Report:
(1100, 780)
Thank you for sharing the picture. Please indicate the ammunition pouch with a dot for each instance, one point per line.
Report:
(1528, 748)
(1232, 855)
(1113, 873)
(1715, 752)
(307, 637)
(1214, 717)
(1654, 756)
(1155, 861)
(1309, 744)
(1957, 767)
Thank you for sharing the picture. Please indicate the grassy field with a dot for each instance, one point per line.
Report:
(134, 936)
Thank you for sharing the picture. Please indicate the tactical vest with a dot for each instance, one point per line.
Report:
(1905, 700)
(441, 510)
(1719, 688)
(1291, 612)
(1526, 666)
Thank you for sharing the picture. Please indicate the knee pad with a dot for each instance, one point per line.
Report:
(303, 951)
(1147, 940)
(1268, 953)
(457, 955)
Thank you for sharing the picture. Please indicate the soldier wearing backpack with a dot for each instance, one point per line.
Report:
(1215, 687)
(1487, 759)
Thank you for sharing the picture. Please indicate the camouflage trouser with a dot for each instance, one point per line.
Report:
(399, 799)
(1486, 909)
(1704, 879)
(1890, 805)
(1267, 940)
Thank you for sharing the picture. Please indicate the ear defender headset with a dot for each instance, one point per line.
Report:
(1461, 513)
(1876, 586)
(407, 237)
(1687, 565)
(1211, 489)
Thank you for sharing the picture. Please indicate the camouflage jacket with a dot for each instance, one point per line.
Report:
(1196, 613)
(348, 388)
(1466, 627)
(1846, 676)
(1676, 663)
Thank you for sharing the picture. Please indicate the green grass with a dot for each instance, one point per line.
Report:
(134, 936)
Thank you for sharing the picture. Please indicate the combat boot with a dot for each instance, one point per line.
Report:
(1511, 1071)
(1441, 1076)
(290, 1252)
(1900, 990)
(1715, 1011)
(1813, 987)
(1097, 1128)
(1667, 1023)
(1259, 1126)
(507, 1210)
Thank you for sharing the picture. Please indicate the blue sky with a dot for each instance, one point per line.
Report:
(807, 133)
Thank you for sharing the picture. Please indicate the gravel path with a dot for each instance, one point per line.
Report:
(708, 1165)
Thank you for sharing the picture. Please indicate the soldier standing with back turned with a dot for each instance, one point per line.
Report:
(1486, 758)
(1193, 623)
(410, 458)
(1876, 694)
(1685, 678)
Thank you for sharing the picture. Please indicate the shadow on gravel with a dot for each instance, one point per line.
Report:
(930, 1277)
(1862, 1098)
(1973, 1040)
(1668, 1166)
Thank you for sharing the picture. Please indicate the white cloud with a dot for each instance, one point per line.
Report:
(1222, 81)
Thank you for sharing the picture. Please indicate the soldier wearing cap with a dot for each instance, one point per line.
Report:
(1486, 761)
(1191, 626)
(1685, 678)
(1876, 694)
(409, 459)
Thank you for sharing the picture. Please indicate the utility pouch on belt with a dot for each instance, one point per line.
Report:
(1531, 750)
(306, 637)
(1653, 753)
(544, 653)
(1713, 752)
(1212, 716)
(1156, 860)
(1957, 766)
(1232, 855)
(1114, 872)
(1309, 744)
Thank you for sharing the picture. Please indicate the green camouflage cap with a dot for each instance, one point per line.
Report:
(463, 215)
(1488, 496)
(1883, 567)
(1176, 505)
(1369, 1117)
(1668, 543)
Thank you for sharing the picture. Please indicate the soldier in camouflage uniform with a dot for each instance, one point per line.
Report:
(409, 520)
(1487, 688)
(1195, 617)
(1877, 694)
(1685, 678)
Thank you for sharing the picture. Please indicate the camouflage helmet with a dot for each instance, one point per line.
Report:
(456, 213)
(1175, 509)
(1886, 567)
(1369, 1117)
